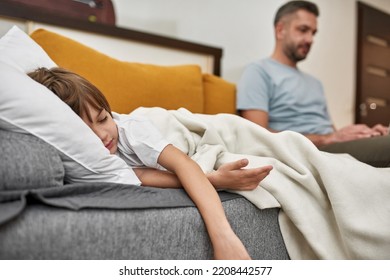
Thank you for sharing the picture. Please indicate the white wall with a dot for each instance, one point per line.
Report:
(243, 28)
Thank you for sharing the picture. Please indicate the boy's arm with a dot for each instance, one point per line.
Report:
(225, 243)
(157, 178)
(230, 175)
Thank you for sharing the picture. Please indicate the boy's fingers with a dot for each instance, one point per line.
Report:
(235, 165)
(266, 168)
(243, 162)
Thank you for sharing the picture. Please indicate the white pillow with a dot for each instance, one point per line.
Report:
(20, 51)
(29, 106)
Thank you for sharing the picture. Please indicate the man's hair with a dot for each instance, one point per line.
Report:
(293, 6)
(71, 88)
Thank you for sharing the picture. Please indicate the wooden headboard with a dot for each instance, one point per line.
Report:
(121, 43)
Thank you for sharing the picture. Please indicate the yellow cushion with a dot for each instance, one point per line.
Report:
(127, 85)
(219, 95)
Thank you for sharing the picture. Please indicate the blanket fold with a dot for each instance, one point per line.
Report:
(333, 206)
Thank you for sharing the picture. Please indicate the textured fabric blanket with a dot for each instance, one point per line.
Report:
(332, 206)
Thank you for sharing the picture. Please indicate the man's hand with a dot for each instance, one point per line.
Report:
(357, 131)
(383, 130)
(234, 176)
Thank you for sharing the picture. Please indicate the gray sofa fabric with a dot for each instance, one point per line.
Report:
(41, 218)
(168, 233)
(27, 162)
(97, 196)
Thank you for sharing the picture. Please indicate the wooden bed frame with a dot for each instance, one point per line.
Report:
(121, 43)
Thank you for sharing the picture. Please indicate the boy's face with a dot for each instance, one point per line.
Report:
(104, 127)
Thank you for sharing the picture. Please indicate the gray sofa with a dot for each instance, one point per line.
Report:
(43, 218)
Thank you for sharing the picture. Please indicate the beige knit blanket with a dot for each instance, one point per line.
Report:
(332, 206)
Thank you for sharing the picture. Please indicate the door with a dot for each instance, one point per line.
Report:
(373, 67)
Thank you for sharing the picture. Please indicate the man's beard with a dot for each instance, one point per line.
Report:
(293, 54)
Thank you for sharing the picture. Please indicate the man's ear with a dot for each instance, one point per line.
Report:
(280, 30)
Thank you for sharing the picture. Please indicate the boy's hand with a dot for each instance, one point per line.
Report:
(233, 176)
(229, 247)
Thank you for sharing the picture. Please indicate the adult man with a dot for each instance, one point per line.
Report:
(275, 94)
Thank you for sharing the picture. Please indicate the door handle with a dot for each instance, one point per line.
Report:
(375, 102)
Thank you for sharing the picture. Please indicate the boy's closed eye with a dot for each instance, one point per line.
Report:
(103, 119)
(102, 116)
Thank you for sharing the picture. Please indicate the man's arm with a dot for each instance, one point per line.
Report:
(257, 116)
(320, 140)
(261, 118)
(348, 133)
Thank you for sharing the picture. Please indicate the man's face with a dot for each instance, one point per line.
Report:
(297, 33)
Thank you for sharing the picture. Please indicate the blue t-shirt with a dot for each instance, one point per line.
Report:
(294, 100)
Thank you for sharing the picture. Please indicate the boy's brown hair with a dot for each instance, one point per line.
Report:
(74, 90)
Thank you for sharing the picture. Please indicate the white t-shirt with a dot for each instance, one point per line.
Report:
(140, 143)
